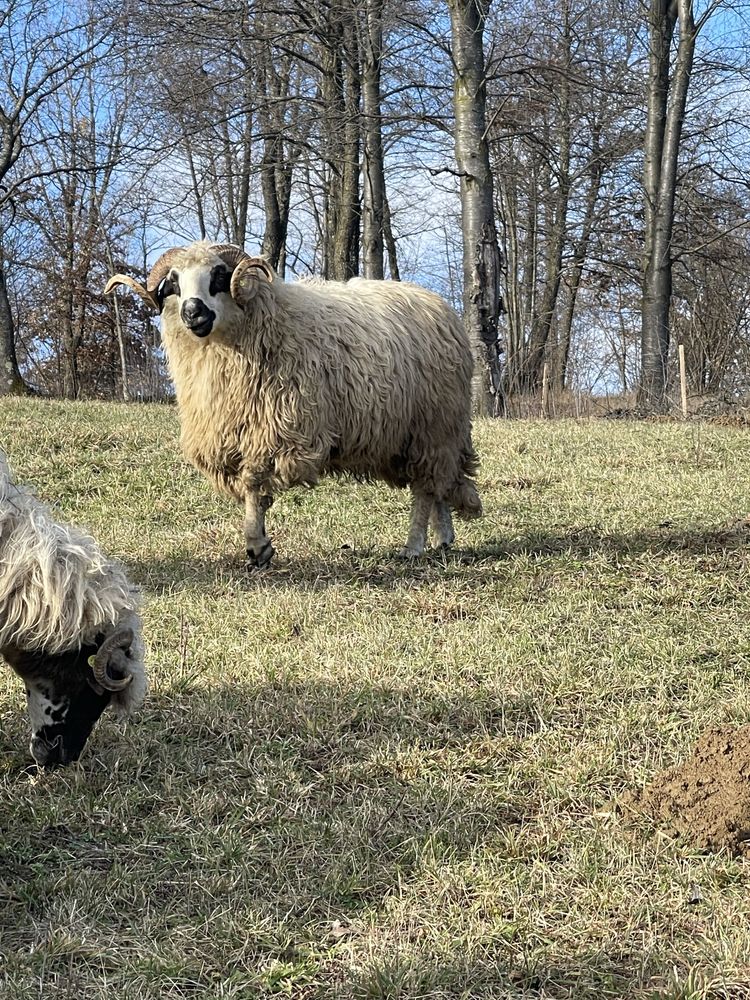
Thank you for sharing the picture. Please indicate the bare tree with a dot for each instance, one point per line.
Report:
(670, 73)
(280, 79)
(556, 202)
(80, 161)
(667, 93)
(562, 136)
(335, 28)
(44, 46)
(710, 311)
(481, 254)
(373, 202)
(300, 124)
(209, 99)
(11, 382)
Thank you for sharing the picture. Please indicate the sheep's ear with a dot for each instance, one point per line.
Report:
(247, 278)
(125, 279)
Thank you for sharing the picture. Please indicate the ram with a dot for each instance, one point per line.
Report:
(281, 382)
(69, 625)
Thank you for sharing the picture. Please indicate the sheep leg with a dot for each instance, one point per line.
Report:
(257, 543)
(421, 505)
(442, 525)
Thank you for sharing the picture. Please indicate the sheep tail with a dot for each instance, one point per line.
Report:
(464, 498)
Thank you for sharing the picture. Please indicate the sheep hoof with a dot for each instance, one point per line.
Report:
(260, 558)
(407, 552)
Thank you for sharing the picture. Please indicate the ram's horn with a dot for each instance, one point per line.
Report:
(250, 265)
(231, 255)
(125, 279)
(112, 651)
(161, 268)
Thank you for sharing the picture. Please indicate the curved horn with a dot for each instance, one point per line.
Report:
(231, 255)
(254, 267)
(125, 279)
(161, 267)
(112, 650)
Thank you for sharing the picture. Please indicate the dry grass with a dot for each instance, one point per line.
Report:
(360, 778)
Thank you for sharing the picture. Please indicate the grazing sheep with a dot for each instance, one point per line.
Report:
(69, 625)
(278, 383)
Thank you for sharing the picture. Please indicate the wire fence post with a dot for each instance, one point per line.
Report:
(545, 390)
(683, 381)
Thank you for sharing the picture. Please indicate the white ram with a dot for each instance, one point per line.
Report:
(281, 382)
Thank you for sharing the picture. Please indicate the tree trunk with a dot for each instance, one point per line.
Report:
(115, 300)
(596, 169)
(481, 254)
(390, 241)
(515, 299)
(347, 237)
(341, 99)
(276, 169)
(557, 210)
(533, 243)
(667, 99)
(245, 167)
(11, 382)
(274, 234)
(276, 178)
(68, 334)
(196, 188)
(373, 201)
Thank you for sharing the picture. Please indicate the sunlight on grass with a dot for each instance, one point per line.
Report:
(357, 777)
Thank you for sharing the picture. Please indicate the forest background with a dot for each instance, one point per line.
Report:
(574, 176)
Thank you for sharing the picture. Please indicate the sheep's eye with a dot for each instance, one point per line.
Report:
(219, 280)
(168, 286)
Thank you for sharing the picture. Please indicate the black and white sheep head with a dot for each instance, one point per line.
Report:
(204, 286)
(68, 691)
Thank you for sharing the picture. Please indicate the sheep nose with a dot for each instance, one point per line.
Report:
(46, 754)
(197, 317)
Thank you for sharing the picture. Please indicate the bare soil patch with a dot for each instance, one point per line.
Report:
(707, 798)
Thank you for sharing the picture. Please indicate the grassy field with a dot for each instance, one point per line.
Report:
(359, 778)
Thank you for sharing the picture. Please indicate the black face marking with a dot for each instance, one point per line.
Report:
(55, 714)
(62, 742)
(64, 725)
(220, 280)
(168, 286)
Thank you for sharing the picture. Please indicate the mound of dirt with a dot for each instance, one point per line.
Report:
(706, 799)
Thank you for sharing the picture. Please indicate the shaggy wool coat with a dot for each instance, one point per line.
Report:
(367, 377)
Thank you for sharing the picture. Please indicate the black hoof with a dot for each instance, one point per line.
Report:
(409, 554)
(259, 560)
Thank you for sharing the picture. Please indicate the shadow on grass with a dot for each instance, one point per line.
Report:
(298, 810)
(373, 568)
(334, 835)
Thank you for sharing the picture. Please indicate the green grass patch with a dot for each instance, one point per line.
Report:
(362, 778)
